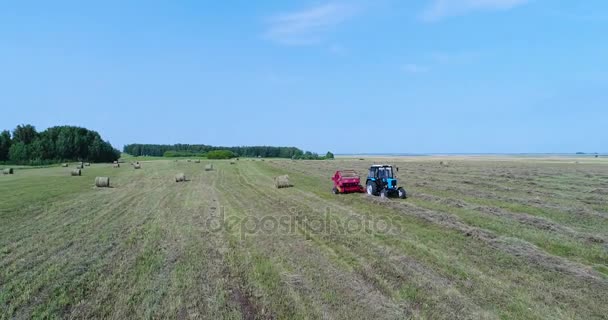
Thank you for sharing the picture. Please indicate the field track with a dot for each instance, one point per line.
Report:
(477, 238)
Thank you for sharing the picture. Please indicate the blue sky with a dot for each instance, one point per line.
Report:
(347, 76)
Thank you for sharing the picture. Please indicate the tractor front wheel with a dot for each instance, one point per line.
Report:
(384, 194)
(401, 192)
(371, 188)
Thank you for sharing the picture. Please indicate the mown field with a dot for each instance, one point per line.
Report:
(481, 238)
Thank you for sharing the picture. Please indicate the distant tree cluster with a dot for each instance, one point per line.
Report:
(189, 150)
(220, 154)
(62, 143)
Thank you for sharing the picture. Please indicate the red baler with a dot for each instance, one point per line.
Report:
(347, 181)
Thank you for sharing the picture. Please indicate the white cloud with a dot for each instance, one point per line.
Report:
(308, 26)
(414, 68)
(440, 9)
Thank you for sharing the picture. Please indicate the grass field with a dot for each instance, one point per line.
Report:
(480, 237)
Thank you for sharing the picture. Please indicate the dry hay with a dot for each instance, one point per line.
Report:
(7, 171)
(65, 165)
(137, 166)
(209, 167)
(197, 161)
(180, 177)
(444, 163)
(116, 165)
(76, 173)
(102, 182)
(282, 182)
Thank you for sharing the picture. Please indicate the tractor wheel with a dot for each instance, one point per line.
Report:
(384, 194)
(371, 188)
(401, 192)
(335, 190)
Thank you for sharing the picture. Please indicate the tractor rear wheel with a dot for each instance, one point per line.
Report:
(371, 188)
(335, 190)
(402, 193)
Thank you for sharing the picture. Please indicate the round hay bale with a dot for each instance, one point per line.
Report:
(209, 167)
(197, 161)
(232, 162)
(116, 165)
(65, 165)
(282, 182)
(7, 171)
(180, 177)
(102, 182)
(189, 160)
(76, 173)
(87, 164)
(137, 166)
(115, 162)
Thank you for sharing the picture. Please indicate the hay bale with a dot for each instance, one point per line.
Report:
(232, 162)
(87, 164)
(209, 167)
(102, 182)
(7, 171)
(80, 166)
(189, 160)
(282, 182)
(65, 165)
(137, 166)
(76, 173)
(115, 162)
(116, 165)
(197, 161)
(180, 177)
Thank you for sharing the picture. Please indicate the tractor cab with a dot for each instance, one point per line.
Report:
(381, 180)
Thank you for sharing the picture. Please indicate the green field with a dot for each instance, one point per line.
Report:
(479, 237)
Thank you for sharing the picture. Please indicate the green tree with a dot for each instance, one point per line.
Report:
(18, 153)
(329, 155)
(25, 133)
(5, 144)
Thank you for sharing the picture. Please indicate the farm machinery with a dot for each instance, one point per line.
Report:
(382, 181)
(347, 181)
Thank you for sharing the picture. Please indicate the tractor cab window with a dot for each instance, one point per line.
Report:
(385, 172)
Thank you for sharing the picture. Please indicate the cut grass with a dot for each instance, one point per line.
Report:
(145, 248)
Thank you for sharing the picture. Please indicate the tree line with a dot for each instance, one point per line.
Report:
(184, 150)
(25, 145)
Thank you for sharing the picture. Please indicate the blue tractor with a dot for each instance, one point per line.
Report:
(381, 181)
